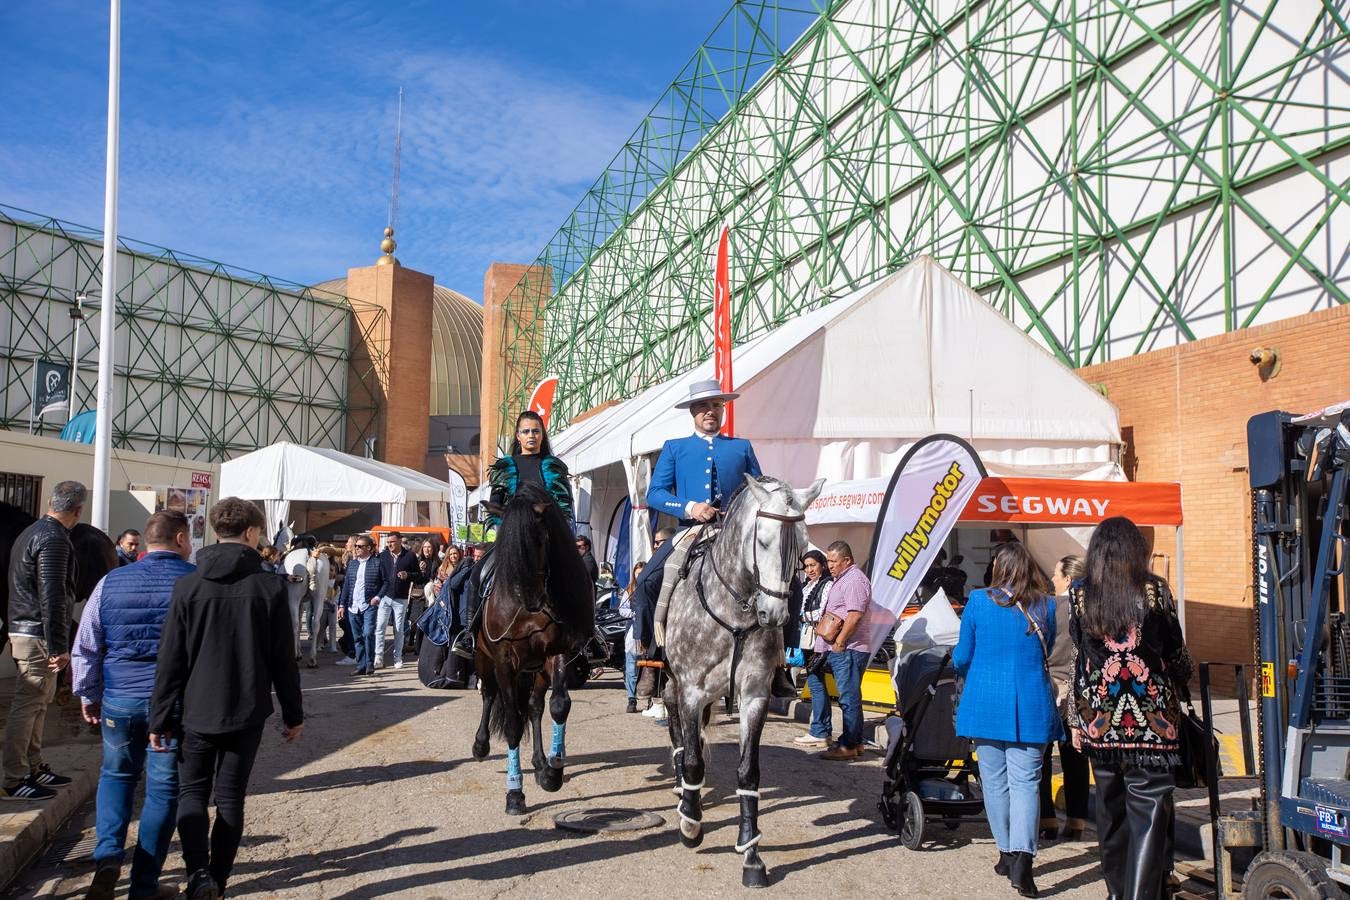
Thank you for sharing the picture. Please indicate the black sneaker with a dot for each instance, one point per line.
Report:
(26, 790)
(632, 705)
(105, 880)
(45, 777)
(201, 887)
(463, 646)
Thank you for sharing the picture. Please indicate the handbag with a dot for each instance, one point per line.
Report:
(1199, 750)
(829, 626)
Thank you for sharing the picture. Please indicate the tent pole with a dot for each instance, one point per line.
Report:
(1181, 582)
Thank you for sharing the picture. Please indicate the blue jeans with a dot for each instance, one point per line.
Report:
(630, 675)
(848, 668)
(822, 724)
(126, 736)
(399, 610)
(1010, 774)
(363, 636)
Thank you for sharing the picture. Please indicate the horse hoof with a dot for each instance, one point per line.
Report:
(691, 833)
(480, 750)
(755, 876)
(515, 803)
(548, 778)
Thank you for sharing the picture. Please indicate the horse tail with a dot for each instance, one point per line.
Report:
(497, 715)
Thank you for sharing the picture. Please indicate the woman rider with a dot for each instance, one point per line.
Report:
(531, 461)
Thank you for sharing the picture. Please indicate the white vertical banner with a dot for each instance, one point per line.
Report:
(459, 507)
(582, 486)
(930, 487)
(639, 472)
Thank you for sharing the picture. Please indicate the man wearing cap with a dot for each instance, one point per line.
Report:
(693, 481)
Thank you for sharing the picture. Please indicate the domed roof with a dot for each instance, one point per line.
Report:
(456, 349)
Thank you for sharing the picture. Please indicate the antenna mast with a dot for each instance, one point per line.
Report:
(398, 153)
(387, 245)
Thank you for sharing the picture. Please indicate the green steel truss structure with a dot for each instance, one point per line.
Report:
(211, 361)
(1112, 175)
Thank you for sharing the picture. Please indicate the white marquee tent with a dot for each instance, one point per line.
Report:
(285, 473)
(843, 391)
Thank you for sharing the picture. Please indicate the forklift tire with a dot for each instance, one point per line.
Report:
(1291, 874)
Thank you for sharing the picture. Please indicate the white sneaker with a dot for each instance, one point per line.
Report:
(379, 662)
(398, 663)
(809, 740)
(346, 661)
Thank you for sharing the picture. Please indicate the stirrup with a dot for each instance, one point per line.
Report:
(463, 646)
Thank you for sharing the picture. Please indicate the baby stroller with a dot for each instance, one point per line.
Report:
(930, 775)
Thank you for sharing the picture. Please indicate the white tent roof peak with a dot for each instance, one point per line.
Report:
(915, 353)
(286, 471)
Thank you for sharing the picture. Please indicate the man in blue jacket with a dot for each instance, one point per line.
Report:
(113, 664)
(365, 582)
(693, 481)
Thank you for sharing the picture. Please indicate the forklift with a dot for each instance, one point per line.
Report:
(1299, 468)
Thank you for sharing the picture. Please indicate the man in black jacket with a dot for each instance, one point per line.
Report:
(41, 600)
(401, 571)
(227, 643)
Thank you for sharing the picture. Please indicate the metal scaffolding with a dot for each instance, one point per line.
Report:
(1112, 175)
(212, 361)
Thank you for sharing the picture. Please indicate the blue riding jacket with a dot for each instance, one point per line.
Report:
(683, 473)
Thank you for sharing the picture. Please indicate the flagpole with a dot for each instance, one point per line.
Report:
(108, 299)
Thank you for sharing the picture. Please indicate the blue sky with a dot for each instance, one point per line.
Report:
(260, 134)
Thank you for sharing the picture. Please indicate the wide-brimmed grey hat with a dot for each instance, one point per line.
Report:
(705, 390)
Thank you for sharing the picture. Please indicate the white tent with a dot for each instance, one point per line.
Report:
(284, 473)
(843, 391)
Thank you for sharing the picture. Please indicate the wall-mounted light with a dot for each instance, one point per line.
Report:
(1266, 360)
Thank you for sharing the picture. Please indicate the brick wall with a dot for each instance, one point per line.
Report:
(1183, 415)
(498, 284)
(406, 403)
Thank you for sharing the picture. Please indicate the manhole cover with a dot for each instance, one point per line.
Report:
(592, 821)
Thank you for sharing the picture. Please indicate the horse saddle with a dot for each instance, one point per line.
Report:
(688, 546)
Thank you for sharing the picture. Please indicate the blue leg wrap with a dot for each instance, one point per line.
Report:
(513, 779)
(559, 750)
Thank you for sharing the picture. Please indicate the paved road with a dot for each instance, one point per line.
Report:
(380, 798)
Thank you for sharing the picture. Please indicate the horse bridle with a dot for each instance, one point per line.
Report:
(787, 520)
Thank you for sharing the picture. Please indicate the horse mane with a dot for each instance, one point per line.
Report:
(569, 586)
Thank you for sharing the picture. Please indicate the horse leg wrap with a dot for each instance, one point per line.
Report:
(513, 780)
(754, 841)
(677, 763)
(690, 807)
(749, 834)
(557, 754)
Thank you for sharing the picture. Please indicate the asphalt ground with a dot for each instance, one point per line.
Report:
(381, 798)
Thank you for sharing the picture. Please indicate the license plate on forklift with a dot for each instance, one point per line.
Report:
(1333, 822)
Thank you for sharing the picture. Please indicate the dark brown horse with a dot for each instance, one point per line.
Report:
(535, 625)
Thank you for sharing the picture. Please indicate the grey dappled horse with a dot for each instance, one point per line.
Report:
(724, 625)
(295, 565)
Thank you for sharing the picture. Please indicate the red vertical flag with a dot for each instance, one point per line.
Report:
(541, 401)
(722, 330)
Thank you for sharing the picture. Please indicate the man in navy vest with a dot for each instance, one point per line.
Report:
(113, 664)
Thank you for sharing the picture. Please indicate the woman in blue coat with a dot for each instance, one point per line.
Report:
(1007, 705)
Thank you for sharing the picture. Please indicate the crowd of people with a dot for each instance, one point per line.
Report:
(177, 662)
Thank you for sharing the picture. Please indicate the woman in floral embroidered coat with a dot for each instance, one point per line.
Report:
(1130, 674)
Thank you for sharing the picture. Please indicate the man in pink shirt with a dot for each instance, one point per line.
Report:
(849, 598)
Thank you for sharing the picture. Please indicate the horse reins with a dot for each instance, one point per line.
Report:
(738, 635)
